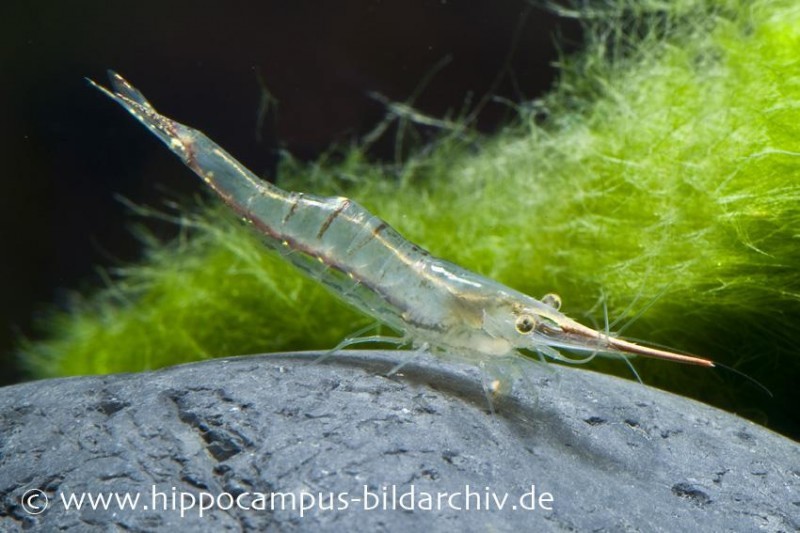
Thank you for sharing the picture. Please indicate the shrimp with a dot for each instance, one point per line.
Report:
(435, 304)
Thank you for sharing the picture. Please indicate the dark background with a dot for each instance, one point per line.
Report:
(66, 150)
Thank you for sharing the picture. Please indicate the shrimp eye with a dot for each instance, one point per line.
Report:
(525, 324)
(552, 300)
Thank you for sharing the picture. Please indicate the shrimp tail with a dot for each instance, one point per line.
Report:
(134, 101)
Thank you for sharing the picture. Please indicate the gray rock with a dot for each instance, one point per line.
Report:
(603, 454)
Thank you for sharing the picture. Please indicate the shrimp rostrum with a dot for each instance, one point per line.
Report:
(435, 304)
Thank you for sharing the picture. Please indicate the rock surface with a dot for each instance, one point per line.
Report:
(604, 454)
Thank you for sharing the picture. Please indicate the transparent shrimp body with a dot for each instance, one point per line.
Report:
(433, 303)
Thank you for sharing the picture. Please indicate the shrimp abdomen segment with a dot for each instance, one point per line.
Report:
(363, 259)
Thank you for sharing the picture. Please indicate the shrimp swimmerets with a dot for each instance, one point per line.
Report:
(437, 305)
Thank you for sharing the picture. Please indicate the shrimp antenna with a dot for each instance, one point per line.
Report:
(747, 377)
